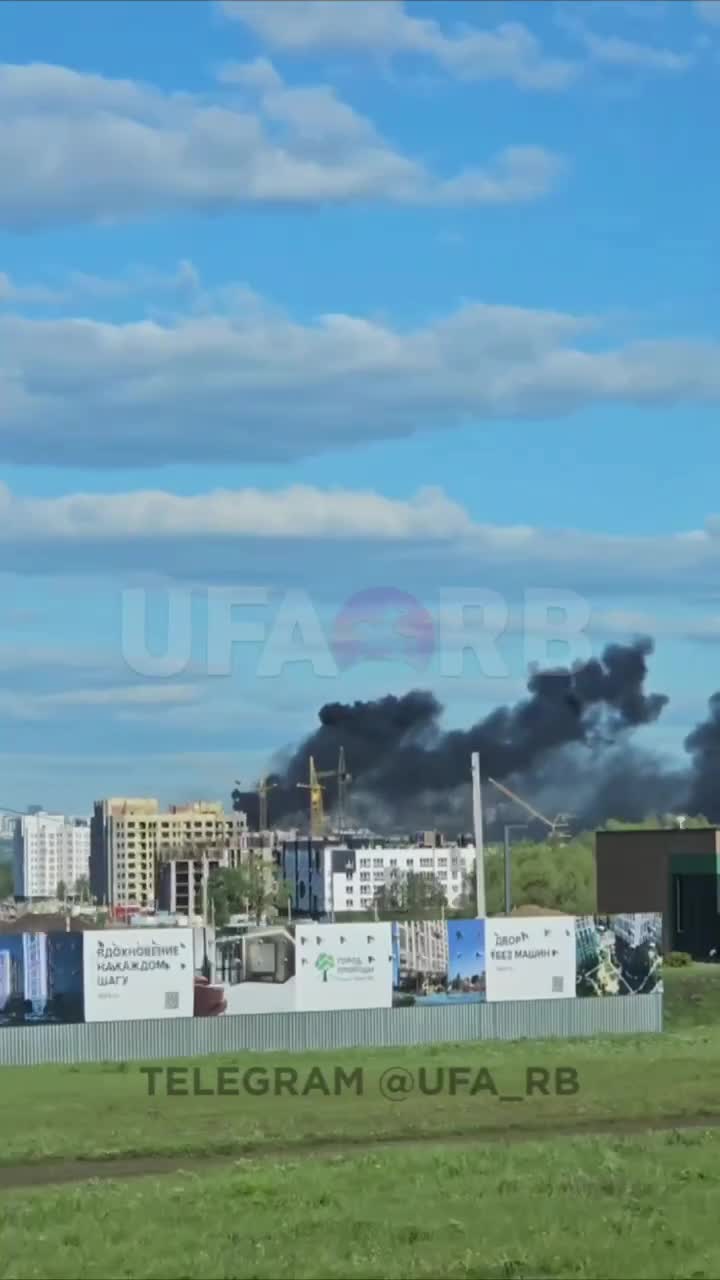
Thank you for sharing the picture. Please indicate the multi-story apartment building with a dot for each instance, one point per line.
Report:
(587, 947)
(420, 946)
(327, 878)
(131, 838)
(638, 930)
(48, 849)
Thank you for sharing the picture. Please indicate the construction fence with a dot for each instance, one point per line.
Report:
(171, 1039)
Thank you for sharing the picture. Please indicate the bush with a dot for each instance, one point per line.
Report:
(677, 959)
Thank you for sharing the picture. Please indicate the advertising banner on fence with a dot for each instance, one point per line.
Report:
(530, 958)
(133, 974)
(41, 978)
(344, 966)
(619, 955)
(438, 962)
(420, 962)
(244, 970)
(109, 975)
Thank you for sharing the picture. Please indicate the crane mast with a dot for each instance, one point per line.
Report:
(315, 787)
(263, 788)
(343, 778)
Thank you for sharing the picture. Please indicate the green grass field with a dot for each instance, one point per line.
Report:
(561, 1208)
(328, 1199)
(98, 1111)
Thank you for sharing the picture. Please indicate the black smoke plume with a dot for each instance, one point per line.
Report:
(568, 739)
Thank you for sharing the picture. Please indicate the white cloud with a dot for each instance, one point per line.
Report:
(614, 50)
(141, 281)
(619, 52)
(301, 512)
(30, 294)
(27, 705)
(708, 11)
(627, 623)
(254, 383)
(83, 147)
(298, 534)
(17, 658)
(508, 52)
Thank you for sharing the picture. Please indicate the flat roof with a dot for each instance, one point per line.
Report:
(653, 831)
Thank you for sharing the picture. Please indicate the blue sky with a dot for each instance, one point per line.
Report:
(328, 298)
(467, 949)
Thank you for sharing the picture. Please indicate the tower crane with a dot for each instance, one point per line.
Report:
(261, 791)
(557, 828)
(343, 778)
(263, 788)
(316, 788)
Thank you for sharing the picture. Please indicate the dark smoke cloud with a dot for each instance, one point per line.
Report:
(703, 745)
(568, 738)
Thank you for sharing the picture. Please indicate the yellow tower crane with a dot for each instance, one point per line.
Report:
(316, 788)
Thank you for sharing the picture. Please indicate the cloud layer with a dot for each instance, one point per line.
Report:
(508, 52)
(253, 383)
(84, 147)
(250, 535)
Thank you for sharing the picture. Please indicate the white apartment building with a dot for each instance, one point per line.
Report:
(35, 970)
(131, 836)
(49, 848)
(420, 946)
(331, 878)
(5, 978)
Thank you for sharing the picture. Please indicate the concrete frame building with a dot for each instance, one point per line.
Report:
(131, 838)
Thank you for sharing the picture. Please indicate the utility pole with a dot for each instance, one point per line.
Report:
(479, 844)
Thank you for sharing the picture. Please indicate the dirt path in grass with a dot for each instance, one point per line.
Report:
(58, 1171)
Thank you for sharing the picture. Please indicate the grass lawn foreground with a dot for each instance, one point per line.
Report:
(612, 1206)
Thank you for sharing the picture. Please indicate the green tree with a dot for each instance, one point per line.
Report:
(236, 890)
(283, 896)
(558, 876)
(82, 888)
(61, 891)
(653, 821)
(411, 894)
(6, 880)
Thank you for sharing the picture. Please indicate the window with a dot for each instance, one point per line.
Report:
(364, 862)
(426, 862)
